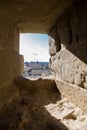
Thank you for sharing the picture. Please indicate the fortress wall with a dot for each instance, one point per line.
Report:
(68, 51)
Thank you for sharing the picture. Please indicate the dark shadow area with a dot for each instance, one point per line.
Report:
(78, 19)
(79, 50)
(27, 111)
(43, 89)
(71, 30)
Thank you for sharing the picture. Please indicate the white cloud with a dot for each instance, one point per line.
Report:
(29, 48)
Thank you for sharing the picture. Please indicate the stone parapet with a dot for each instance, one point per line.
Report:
(74, 93)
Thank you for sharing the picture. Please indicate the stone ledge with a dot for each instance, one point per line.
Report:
(74, 93)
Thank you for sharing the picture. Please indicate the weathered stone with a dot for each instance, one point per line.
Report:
(7, 92)
(74, 22)
(69, 64)
(63, 28)
(53, 46)
(78, 79)
(35, 16)
(74, 93)
(54, 41)
(68, 67)
(9, 32)
(85, 83)
(27, 111)
(11, 63)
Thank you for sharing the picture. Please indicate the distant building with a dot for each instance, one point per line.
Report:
(35, 69)
(39, 73)
(34, 65)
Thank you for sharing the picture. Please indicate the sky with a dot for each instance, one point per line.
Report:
(34, 47)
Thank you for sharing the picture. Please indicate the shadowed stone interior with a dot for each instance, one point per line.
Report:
(65, 23)
(35, 16)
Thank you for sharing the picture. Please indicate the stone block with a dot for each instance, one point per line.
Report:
(54, 41)
(74, 93)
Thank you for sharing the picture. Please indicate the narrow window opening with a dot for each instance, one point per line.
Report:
(35, 49)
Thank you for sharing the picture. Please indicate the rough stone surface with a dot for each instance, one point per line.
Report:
(69, 64)
(69, 68)
(68, 50)
(54, 41)
(37, 105)
(26, 110)
(9, 33)
(35, 16)
(7, 92)
(11, 63)
(74, 93)
(69, 114)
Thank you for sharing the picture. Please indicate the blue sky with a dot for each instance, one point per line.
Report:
(34, 47)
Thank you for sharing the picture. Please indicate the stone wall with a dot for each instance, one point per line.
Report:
(75, 94)
(11, 63)
(69, 62)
